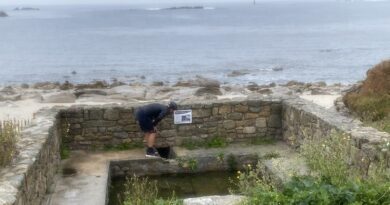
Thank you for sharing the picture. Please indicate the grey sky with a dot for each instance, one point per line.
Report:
(48, 2)
(36, 2)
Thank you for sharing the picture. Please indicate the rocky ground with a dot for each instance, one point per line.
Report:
(21, 101)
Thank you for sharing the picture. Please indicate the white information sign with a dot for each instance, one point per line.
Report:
(182, 116)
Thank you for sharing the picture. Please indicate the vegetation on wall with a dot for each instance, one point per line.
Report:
(371, 100)
(333, 181)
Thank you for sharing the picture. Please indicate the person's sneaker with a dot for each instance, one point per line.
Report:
(152, 152)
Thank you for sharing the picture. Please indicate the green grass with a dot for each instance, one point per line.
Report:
(64, 151)
(214, 142)
(9, 132)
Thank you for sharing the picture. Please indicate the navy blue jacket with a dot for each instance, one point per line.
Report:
(155, 112)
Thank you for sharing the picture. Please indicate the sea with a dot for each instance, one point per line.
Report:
(333, 41)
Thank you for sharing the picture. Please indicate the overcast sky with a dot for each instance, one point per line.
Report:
(48, 2)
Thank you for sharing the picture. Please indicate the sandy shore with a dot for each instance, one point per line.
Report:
(21, 102)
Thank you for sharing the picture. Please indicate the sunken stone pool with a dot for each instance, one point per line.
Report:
(182, 185)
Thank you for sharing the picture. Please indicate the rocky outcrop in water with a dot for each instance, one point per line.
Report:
(26, 9)
(184, 7)
(3, 14)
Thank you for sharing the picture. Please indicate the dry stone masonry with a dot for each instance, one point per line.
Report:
(303, 119)
(28, 178)
(97, 127)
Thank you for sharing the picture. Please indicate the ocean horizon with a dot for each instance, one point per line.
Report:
(335, 42)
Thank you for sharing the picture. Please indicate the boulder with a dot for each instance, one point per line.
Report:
(116, 83)
(89, 92)
(294, 83)
(129, 92)
(15, 97)
(94, 85)
(46, 85)
(157, 83)
(3, 14)
(66, 86)
(236, 73)
(253, 86)
(319, 91)
(208, 90)
(59, 97)
(199, 81)
(278, 68)
(9, 90)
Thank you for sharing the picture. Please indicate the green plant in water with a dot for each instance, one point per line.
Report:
(271, 155)
(190, 163)
(142, 191)
(220, 157)
(232, 162)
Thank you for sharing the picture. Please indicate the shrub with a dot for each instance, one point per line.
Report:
(333, 182)
(371, 100)
(9, 131)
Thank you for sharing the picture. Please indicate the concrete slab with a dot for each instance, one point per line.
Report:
(88, 186)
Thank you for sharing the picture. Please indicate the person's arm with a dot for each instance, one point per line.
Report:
(162, 114)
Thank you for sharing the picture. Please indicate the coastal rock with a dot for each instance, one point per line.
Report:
(3, 14)
(277, 68)
(208, 90)
(88, 92)
(26, 9)
(116, 83)
(46, 85)
(157, 83)
(253, 86)
(9, 90)
(129, 92)
(66, 86)
(15, 97)
(199, 81)
(265, 91)
(294, 83)
(319, 91)
(24, 85)
(31, 95)
(236, 73)
(94, 85)
(59, 97)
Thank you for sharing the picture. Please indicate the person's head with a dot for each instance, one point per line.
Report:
(172, 106)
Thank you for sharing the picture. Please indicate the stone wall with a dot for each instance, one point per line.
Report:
(303, 119)
(236, 121)
(26, 180)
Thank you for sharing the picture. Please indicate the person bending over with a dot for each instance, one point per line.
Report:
(148, 117)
